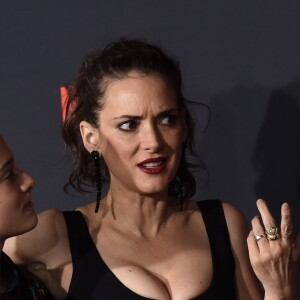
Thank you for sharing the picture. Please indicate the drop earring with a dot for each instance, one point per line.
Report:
(97, 163)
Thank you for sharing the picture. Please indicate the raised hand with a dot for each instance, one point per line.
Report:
(274, 252)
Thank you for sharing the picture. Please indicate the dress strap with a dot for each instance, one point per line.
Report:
(219, 240)
(79, 237)
(215, 222)
(86, 261)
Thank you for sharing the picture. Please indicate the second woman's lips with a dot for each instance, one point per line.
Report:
(29, 205)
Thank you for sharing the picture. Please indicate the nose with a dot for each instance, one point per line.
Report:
(151, 139)
(27, 182)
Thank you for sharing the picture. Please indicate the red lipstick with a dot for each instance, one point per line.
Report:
(153, 165)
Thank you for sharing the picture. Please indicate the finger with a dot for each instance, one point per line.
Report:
(252, 247)
(266, 216)
(286, 223)
(258, 231)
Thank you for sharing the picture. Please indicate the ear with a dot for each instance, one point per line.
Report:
(90, 136)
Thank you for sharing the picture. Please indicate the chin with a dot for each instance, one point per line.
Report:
(29, 224)
(154, 190)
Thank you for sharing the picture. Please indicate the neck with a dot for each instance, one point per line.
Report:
(142, 215)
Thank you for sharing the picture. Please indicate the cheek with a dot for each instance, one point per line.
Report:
(8, 210)
(175, 140)
(117, 151)
(9, 199)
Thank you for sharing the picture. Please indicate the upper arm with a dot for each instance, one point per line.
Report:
(44, 251)
(39, 244)
(247, 284)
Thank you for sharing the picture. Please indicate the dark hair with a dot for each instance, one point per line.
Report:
(85, 93)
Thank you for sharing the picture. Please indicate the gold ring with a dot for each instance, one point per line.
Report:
(272, 233)
(259, 237)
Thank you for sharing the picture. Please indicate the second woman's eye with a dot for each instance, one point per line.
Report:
(10, 176)
(129, 125)
(168, 120)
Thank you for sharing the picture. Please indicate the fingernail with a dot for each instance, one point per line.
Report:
(285, 205)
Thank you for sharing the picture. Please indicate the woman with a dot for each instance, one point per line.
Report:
(17, 216)
(126, 122)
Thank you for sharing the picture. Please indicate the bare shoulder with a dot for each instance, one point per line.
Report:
(39, 243)
(232, 214)
(88, 209)
(235, 220)
(237, 226)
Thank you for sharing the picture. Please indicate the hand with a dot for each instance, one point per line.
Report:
(274, 256)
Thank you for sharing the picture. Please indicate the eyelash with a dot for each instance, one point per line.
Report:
(172, 119)
(10, 176)
(129, 122)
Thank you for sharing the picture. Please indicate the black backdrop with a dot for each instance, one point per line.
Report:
(242, 58)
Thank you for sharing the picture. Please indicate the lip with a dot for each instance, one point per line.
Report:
(29, 205)
(161, 161)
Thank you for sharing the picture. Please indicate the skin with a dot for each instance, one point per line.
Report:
(17, 214)
(275, 262)
(153, 248)
(154, 129)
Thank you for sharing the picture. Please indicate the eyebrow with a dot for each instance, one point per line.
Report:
(134, 117)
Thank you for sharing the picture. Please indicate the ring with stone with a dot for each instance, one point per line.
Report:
(273, 233)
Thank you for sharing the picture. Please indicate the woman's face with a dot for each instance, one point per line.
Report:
(17, 214)
(141, 131)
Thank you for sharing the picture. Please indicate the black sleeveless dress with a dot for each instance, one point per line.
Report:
(93, 280)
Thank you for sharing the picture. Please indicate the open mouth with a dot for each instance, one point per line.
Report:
(153, 165)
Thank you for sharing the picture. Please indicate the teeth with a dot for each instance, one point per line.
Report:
(152, 165)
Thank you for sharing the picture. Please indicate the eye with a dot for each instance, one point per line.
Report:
(10, 176)
(168, 120)
(129, 125)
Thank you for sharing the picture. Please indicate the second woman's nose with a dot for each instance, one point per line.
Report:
(27, 182)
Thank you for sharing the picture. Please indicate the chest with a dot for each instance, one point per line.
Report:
(172, 266)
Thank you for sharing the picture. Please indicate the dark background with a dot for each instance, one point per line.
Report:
(242, 58)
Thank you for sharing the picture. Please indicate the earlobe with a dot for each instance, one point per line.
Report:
(90, 136)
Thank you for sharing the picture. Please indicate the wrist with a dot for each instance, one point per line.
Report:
(284, 294)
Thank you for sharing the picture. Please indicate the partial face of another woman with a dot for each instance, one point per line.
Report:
(141, 132)
(17, 214)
